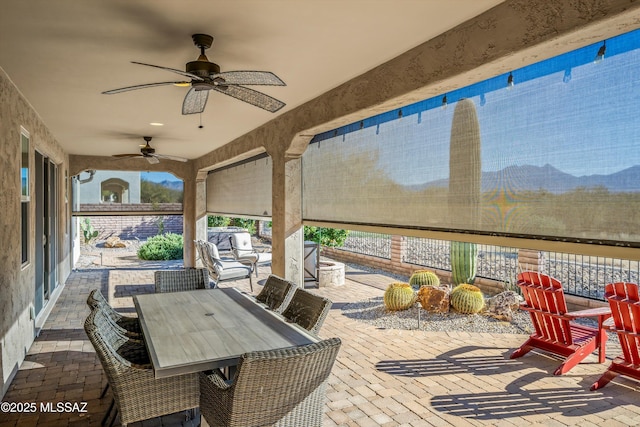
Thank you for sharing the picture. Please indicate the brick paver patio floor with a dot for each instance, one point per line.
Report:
(381, 377)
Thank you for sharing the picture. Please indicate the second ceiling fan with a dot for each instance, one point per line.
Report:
(206, 76)
(149, 153)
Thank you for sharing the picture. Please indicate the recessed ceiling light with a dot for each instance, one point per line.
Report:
(156, 124)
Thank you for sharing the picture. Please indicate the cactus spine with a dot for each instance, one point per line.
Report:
(464, 187)
(399, 296)
(467, 299)
(421, 278)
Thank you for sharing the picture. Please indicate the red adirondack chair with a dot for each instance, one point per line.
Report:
(625, 309)
(554, 330)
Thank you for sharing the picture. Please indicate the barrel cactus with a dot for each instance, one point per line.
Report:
(399, 296)
(463, 262)
(423, 278)
(467, 299)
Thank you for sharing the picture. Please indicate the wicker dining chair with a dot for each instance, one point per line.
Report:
(285, 387)
(276, 293)
(307, 310)
(188, 279)
(134, 347)
(130, 325)
(137, 394)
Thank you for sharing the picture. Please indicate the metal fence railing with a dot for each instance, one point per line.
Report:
(494, 262)
(586, 275)
(373, 244)
(580, 275)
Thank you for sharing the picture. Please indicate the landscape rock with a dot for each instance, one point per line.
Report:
(114, 242)
(503, 305)
(434, 299)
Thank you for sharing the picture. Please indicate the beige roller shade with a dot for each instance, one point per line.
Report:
(547, 152)
(243, 189)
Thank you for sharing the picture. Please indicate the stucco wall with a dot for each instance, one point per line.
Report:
(17, 283)
(91, 191)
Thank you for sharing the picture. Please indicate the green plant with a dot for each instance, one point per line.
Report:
(218, 221)
(87, 230)
(162, 247)
(421, 278)
(248, 224)
(467, 299)
(325, 236)
(160, 223)
(464, 187)
(463, 262)
(399, 296)
(156, 193)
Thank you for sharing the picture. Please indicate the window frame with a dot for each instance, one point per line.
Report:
(25, 194)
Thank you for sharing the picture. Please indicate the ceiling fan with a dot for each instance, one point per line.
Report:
(206, 76)
(149, 153)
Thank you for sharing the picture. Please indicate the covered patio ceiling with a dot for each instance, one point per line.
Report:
(63, 54)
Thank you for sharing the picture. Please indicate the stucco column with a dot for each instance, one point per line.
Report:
(201, 208)
(287, 233)
(189, 204)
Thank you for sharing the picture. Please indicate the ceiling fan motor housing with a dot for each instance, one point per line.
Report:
(202, 68)
(146, 150)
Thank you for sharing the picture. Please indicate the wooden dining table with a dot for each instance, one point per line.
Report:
(198, 330)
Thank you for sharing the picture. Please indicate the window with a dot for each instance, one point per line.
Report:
(24, 195)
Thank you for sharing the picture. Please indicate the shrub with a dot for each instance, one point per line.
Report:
(248, 224)
(326, 236)
(162, 247)
(218, 221)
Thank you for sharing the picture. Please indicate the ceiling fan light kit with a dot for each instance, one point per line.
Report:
(206, 76)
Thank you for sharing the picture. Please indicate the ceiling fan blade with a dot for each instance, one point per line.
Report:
(127, 155)
(128, 88)
(164, 156)
(195, 101)
(152, 160)
(266, 78)
(173, 70)
(252, 97)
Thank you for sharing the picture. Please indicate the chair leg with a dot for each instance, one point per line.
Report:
(250, 282)
(604, 380)
(524, 349)
(104, 391)
(106, 415)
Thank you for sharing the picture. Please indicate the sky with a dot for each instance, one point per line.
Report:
(582, 120)
(158, 176)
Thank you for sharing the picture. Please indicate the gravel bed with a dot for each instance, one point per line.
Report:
(374, 313)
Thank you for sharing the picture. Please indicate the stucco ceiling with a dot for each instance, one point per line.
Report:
(62, 54)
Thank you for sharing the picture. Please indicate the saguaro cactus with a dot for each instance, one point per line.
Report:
(463, 262)
(464, 187)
